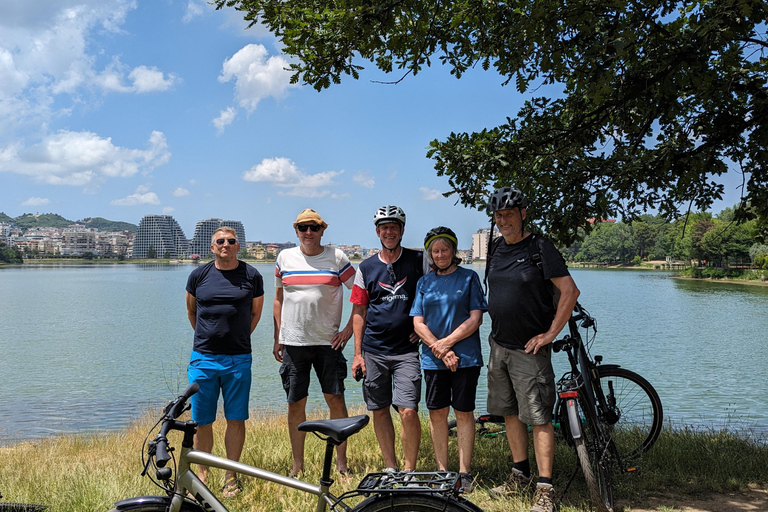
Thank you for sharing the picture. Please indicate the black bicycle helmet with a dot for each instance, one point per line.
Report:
(389, 213)
(440, 232)
(506, 198)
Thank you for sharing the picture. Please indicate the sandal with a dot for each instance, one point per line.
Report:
(231, 489)
(346, 473)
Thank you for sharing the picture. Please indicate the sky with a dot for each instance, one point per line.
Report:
(124, 108)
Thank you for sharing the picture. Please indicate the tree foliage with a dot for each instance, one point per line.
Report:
(10, 254)
(701, 239)
(658, 98)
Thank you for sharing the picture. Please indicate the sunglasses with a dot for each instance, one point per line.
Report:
(314, 227)
(230, 241)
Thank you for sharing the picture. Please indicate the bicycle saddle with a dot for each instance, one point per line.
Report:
(338, 430)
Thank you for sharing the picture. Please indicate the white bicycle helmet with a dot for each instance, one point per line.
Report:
(389, 213)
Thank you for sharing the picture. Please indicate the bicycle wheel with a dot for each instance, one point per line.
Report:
(153, 504)
(415, 502)
(21, 507)
(634, 415)
(597, 476)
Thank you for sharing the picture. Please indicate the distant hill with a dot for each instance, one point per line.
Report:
(103, 224)
(29, 220)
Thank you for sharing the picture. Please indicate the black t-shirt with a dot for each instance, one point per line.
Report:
(224, 302)
(519, 296)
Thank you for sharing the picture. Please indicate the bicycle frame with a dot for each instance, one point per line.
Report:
(187, 481)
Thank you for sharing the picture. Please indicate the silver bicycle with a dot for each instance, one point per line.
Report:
(402, 492)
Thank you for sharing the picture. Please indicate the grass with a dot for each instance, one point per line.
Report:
(90, 473)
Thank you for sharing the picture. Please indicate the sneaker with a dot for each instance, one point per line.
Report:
(515, 484)
(390, 470)
(544, 499)
(466, 483)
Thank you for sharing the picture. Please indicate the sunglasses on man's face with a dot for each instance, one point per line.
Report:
(230, 241)
(314, 227)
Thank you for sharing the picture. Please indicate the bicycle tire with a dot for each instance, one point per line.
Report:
(635, 416)
(158, 504)
(452, 428)
(22, 507)
(597, 477)
(416, 502)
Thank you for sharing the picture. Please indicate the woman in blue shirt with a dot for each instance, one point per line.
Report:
(447, 312)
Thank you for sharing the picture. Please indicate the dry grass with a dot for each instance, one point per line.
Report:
(91, 473)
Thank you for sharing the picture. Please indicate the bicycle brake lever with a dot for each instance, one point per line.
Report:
(150, 453)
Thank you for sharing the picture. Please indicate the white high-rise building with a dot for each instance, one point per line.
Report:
(161, 233)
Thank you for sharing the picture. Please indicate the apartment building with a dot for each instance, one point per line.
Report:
(162, 235)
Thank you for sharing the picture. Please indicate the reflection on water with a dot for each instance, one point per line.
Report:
(92, 347)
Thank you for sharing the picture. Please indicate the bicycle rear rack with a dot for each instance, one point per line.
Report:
(436, 482)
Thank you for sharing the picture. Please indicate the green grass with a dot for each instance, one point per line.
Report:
(89, 473)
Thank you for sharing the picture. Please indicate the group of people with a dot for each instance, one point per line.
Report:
(402, 299)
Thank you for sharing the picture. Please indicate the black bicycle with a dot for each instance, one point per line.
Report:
(608, 414)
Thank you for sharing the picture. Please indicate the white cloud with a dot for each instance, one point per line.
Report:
(36, 201)
(364, 179)
(168, 210)
(81, 158)
(140, 197)
(225, 119)
(147, 79)
(194, 10)
(12, 80)
(256, 76)
(180, 192)
(50, 48)
(430, 194)
(141, 79)
(282, 172)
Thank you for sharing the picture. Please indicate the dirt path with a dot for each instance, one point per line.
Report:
(753, 500)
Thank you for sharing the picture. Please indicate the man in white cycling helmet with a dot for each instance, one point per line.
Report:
(386, 346)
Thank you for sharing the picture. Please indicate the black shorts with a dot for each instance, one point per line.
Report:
(457, 389)
(330, 367)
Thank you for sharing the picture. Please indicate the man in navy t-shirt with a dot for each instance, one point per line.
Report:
(224, 300)
(386, 347)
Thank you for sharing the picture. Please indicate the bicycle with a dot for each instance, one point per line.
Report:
(616, 412)
(608, 414)
(401, 492)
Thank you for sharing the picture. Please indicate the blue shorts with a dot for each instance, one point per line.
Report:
(214, 372)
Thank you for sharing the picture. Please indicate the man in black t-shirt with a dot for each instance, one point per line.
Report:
(524, 323)
(224, 300)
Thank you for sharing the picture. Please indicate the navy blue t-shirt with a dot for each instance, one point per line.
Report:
(224, 302)
(388, 292)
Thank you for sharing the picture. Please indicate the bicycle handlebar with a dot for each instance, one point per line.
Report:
(172, 411)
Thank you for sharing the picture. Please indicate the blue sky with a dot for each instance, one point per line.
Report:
(118, 109)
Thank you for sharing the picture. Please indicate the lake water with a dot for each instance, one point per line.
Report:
(90, 348)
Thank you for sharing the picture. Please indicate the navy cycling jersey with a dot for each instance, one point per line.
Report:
(388, 290)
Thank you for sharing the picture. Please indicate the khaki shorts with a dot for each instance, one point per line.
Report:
(521, 384)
